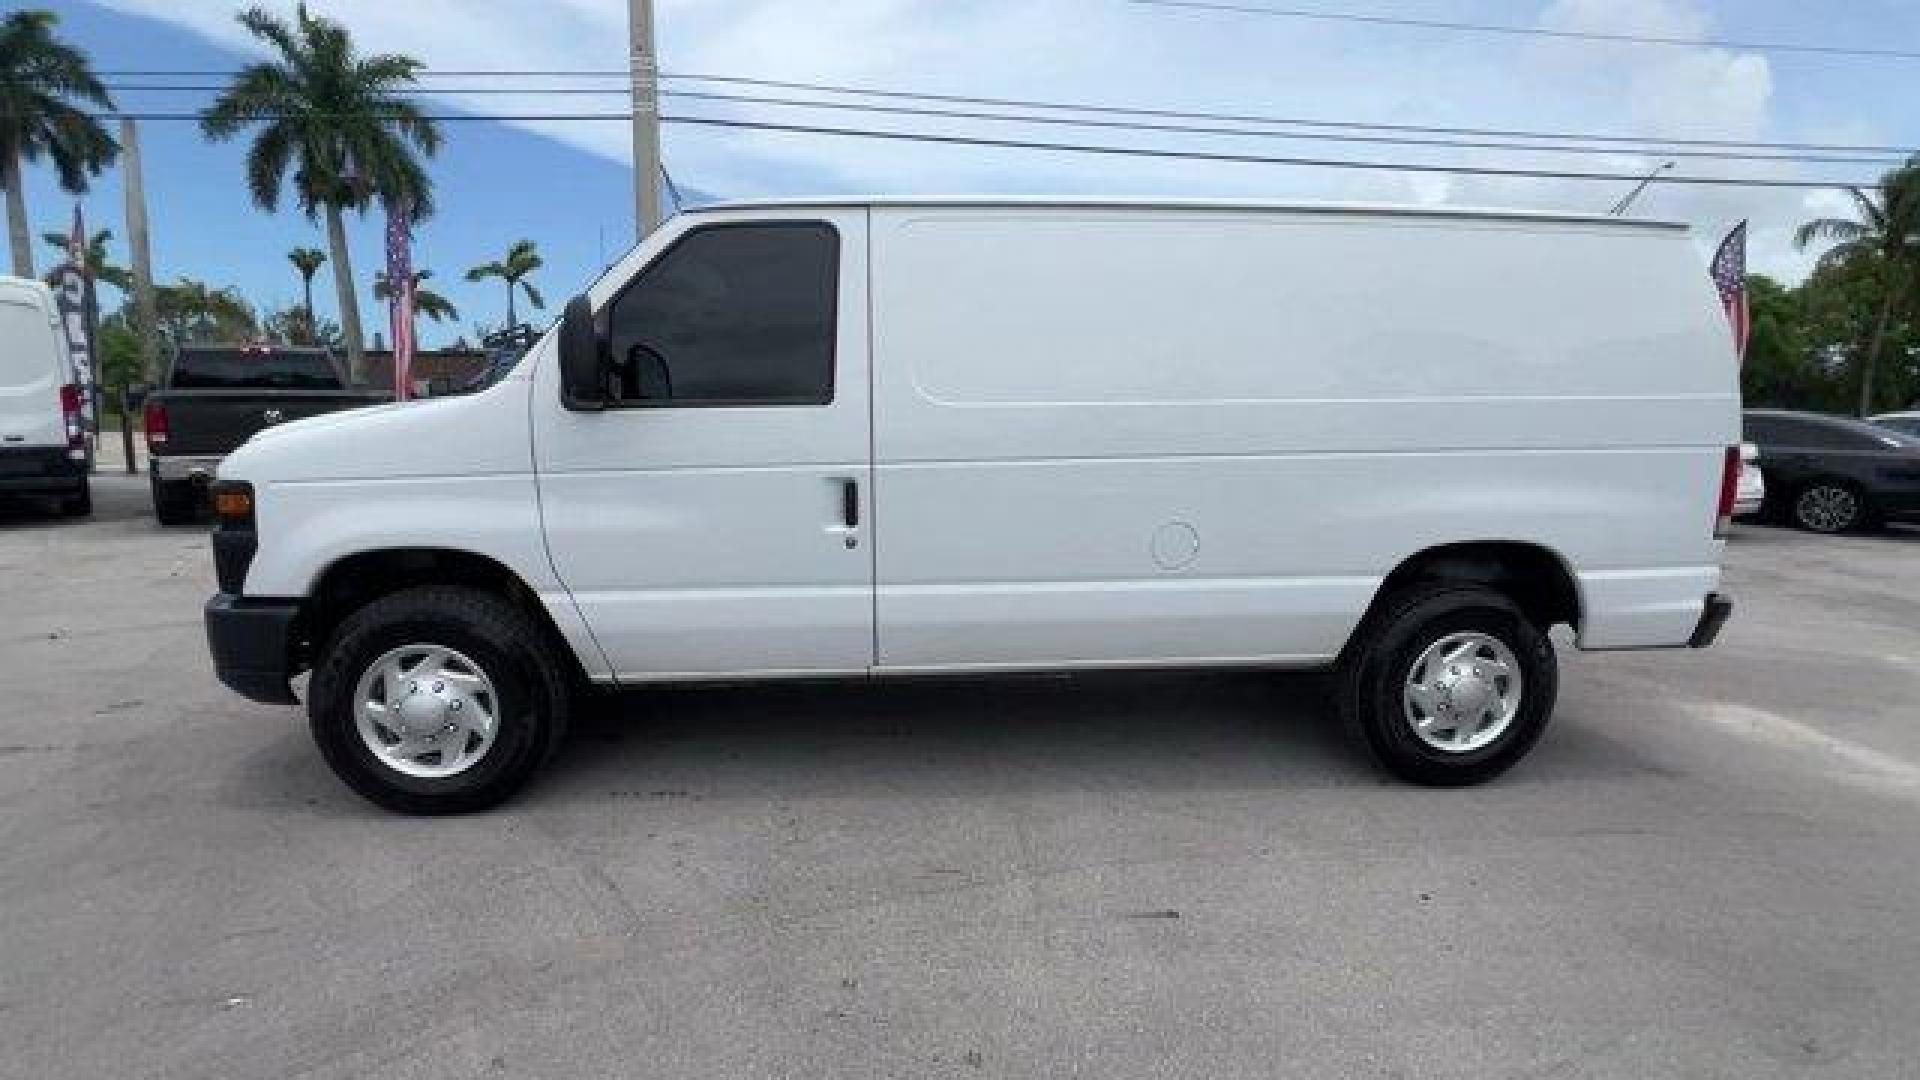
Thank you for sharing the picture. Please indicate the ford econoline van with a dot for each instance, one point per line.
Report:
(867, 439)
(43, 439)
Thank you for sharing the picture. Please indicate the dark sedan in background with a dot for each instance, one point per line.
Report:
(1831, 474)
(1906, 423)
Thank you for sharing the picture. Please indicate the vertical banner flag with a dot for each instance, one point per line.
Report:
(400, 297)
(73, 295)
(1730, 278)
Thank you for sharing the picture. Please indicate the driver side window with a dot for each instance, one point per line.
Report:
(731, 314)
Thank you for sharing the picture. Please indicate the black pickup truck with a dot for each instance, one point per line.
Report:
(214, 398)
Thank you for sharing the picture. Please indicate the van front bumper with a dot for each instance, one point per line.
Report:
(251, 643)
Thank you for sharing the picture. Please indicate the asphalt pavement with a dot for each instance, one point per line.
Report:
(1709, 868)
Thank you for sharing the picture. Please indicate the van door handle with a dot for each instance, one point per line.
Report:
(850, 504)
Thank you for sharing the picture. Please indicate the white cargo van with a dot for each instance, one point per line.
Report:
(43, 439)
(877, 438)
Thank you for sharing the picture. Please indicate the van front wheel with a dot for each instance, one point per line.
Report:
(1449, 684)
(437, 700)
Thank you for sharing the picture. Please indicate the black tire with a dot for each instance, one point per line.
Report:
(529, 680)
(1830, 506)
(1371, 682)
(175, 502)
(80, 503)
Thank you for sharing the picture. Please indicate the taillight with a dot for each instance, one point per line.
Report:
(155, 419)
(76, 421)
(1729, 491)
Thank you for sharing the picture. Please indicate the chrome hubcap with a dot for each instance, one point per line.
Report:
(426, 711)
(1463, 692)
(1827, 508)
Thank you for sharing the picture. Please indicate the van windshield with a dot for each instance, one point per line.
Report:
(28, 352)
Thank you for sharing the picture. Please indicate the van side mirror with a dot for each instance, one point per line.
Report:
(584, 365)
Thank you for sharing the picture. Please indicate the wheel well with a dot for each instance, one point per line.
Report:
(1837, 479)
(358, 580)
(1531, 576)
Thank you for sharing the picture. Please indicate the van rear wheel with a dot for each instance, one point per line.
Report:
(437, 700)
(1448, 684)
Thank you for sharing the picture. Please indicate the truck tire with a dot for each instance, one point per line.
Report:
(175, 502)
(438, 700)
(80, 503)
(1449, 684)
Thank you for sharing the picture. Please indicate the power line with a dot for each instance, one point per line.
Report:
(1120, 151)
(1311, 136)
(1530, 31)
(1255, 159)
(430, 73)
(1640, 143)
(1192, 129)
(1251, 118)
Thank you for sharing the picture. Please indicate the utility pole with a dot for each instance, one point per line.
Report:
(146, 318)
(1621, 206)
(646, 117)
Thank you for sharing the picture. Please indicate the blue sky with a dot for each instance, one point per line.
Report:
(568, 185)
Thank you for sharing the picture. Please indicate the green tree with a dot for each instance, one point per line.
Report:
(100, 265)
(1886, 236)
(1844, 311)
(41, 79)
(307, 262)
(290, 326)
(425, 301)
(1779, 372)
(118, 350)
(521, 261)
(340, 122)
(192, 311)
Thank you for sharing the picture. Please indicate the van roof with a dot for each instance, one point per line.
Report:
(8, 281)
(1240, 205)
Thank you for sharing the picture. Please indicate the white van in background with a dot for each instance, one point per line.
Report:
(43, 441)
(866, 439)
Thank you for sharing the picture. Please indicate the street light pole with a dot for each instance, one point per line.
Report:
(646, 117)
(1621, 206)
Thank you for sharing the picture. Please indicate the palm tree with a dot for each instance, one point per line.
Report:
(307, 261)
(1887, 234)
(522, 259)
(99, 265)
(193, 311)
(425, 300)
(40, 78)
(339, 121)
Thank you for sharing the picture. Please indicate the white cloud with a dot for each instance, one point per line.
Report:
(1097, 50)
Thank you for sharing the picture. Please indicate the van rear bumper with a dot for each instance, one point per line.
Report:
(1713, 616)
(185, 466)
(250, 641)
(39, 468)
(1659, 607)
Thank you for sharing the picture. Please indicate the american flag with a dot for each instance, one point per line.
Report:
(1730, 277)
(400, 303)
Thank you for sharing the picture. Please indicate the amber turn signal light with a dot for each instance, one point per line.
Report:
(233, 502)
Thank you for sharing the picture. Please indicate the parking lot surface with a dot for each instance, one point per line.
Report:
(1710, 867)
